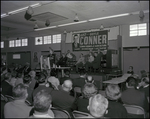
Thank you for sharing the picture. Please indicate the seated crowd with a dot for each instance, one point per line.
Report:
(25, 94)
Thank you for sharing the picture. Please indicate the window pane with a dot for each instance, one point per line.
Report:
(47, 39)
(142, 32)
(57, 38)
(18, 43)
(133, 27)
(2, 44)
(11, 43)
(133, 33)
(142, 26)
(25, 42)
(38, 41)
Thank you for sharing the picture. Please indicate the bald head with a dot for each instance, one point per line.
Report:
(89, 79)
(98, 105)
(67, 85)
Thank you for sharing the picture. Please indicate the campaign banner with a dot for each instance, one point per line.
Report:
(86, 41)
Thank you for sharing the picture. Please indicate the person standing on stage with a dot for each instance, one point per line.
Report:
(89, 63)
(80, 62)
(97, 60)
(62, 61)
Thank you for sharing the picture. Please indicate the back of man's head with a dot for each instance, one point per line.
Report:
(20, 91)
(98, 105)
(67, 85)
(41, 78)
(42, 101)
(27, 79)
(89, 79)
(7, 76)
(131, 82)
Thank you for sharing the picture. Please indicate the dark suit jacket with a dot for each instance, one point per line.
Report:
(146, 90)
(82, 104)
(26, 71)
(62, 99)
(62, 61)
(116, 110)
(135, 97)
(97, 61)
(6, 88)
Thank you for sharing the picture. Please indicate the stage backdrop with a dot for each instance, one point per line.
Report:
(90, 40)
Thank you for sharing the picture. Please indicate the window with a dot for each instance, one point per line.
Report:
(47, 40)
(38, 41)
(17, 43)
(57, 38)
(11, 43)
(2, 44)
(138, 29)
(25, 42)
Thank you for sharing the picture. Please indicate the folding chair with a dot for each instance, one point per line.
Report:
(134, 111)
(79, 114)
(59, 113)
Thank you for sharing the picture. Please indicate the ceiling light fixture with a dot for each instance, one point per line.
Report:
(23, 9)
(113, 16)
(36, 26)
(45, 28)
(101, 27)
(4, 15)
(76, 19)
(72, 23)
(47, 23)
(28, 13)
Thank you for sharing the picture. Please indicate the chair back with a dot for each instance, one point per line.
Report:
(9, 98)
(59, 113)
(135, 110)
(79, 114)
(77, 90)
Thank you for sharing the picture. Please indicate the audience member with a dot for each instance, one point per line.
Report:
(143, 74)
(33, 81)
(89, 63)
(132, 96)
(62, 98)
(19, 78)
(130, 71)
(54, 82)
(98, 105)
(80, 62)
(42, 84)
(13, 78)
(3, 72)
(88, 91)
(6, 86)
(144, 86)
(66, 77)
(26, 68)
(42, 104)
(26, 82)
(115, 108)
(17, 108)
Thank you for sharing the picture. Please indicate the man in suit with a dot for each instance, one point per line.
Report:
(132, 96)
(6, 86)
(62, 61)
(17, 108)
(62, 98)
(97, 59)
(76, 41)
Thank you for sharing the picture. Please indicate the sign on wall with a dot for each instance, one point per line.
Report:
(86, 41)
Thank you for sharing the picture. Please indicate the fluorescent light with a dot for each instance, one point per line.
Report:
(4, 15)
(45, 28)
(24, 8)
(72, 23)
(113, 16)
